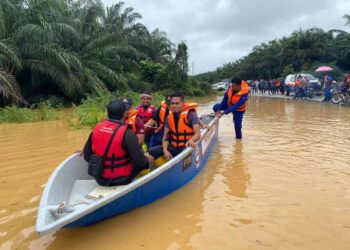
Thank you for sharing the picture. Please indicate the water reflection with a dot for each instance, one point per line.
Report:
(237, 177)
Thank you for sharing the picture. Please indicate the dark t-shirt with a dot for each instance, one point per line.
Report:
(129, 144)
(156, 114)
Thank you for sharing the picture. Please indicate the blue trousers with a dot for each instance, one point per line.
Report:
(328, 93)
(156, 139)
(237, 120)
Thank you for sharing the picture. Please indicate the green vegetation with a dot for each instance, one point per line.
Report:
(93, 109)
(66, 50)
(43, 112)
(302, 51)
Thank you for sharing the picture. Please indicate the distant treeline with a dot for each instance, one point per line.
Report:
(302, 51)
(64, 50)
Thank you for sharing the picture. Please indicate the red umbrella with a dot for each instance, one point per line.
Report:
(323, 69)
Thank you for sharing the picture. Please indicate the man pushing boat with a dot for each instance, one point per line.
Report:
(235, 102)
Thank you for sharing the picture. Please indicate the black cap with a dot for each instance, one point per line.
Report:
(116, 109)
(127, 102)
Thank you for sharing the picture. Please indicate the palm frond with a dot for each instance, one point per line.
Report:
(74, 62)
(10, 55)
(90, 15)
(49, 53)
(102, 41)
(9, 88)
(65, 31)
(347, 17)
(32, 33)
(2, 23)
(92, 83)
(112, 78)
(129, 17)
(68, 84)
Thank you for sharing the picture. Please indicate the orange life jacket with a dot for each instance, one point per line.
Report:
(145, 114)
(233, 99)
(297, 82)
(117, 162)
(131, 119)
(162, 116)
(182, 131)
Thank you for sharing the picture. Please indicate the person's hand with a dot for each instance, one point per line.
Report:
(218, 114)
(205, 126)
(167, 155)
(191, 143)
(149, 157)
(79, 151)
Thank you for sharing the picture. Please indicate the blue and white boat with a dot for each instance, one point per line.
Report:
(72, 198)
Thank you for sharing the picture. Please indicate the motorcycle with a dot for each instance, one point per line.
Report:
(340, 95)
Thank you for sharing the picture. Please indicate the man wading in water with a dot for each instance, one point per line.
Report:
(235, 102)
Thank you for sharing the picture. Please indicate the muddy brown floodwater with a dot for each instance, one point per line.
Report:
(285, 186)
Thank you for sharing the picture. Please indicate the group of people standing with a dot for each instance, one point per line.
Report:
(271, 87)
(130, 140)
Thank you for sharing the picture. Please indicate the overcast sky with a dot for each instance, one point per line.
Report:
(221, 31)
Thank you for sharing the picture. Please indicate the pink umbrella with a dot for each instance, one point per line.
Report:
(323, 69)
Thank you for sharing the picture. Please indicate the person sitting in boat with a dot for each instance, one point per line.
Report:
(158, 119)
(125, 158)
(156, 124)
(181, 128)
(146, 109)
(134, 121)
(145, 112)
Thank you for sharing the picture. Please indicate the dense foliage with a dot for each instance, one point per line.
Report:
(66, 50)
(302, 51)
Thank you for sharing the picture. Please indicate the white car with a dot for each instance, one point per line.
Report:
(219, 86)
(313, 81)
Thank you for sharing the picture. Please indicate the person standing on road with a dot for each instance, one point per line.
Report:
(328, 80)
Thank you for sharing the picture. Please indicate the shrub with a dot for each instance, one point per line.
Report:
(14, 114)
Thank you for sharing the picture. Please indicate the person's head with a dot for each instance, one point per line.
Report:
(128, 105)
(236, 84)
(168, 100)
(116, 110)
(177, 102)
(146, 98)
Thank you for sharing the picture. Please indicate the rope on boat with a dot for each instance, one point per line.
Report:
(62, 205)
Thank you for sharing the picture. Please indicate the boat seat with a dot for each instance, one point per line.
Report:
(80, 189)
(101, 191)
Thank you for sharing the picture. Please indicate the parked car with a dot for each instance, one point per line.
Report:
(313, 81)
(223, 85)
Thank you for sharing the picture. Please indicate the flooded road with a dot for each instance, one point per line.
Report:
(285, 186)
